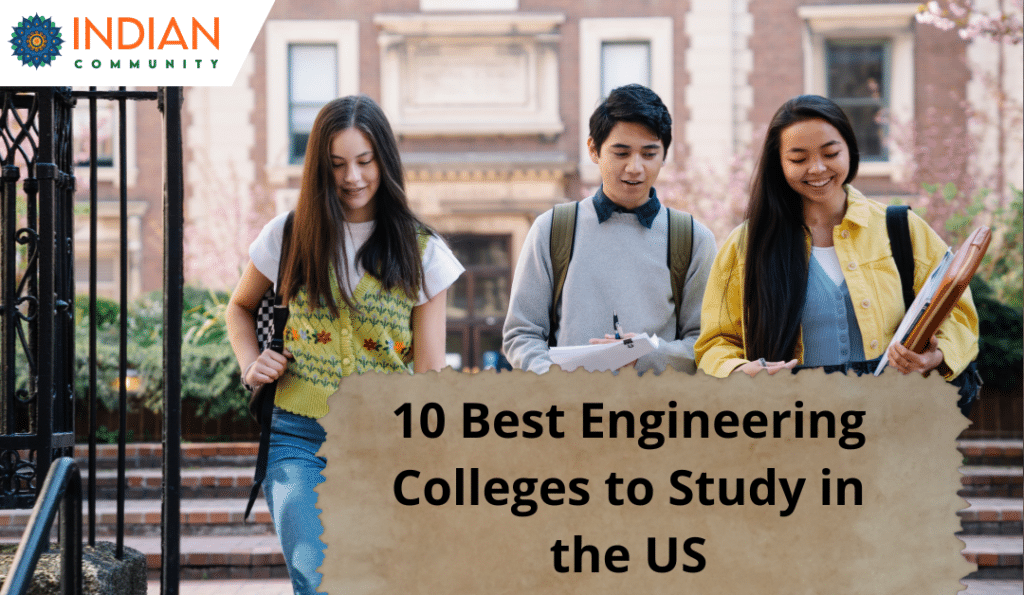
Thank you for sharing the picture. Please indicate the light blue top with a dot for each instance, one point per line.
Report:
(830, 331)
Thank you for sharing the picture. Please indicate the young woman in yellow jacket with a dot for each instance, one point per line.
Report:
(809, 279)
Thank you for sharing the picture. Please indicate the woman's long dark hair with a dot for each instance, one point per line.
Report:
(391, 254)
(775, 277)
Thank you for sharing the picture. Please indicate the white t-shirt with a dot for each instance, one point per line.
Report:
(440, 267)
(829, 261)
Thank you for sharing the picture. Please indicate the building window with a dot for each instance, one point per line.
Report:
(308, 64)
(478, 301)
(312, 82)
(858, 81)
(623, 63)
(862, 57)
(616, 52)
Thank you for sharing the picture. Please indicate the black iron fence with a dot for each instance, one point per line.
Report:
(37, 297)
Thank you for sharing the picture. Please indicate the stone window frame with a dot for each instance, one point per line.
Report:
(594, 32)
(344, 34)
(891, 22)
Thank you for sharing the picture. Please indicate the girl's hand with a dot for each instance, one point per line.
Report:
(752, 368)
(906, 361)
(268, 367)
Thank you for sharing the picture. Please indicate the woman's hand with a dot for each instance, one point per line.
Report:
(268, 367)
(241, 323)
(752, 368)
(906, 361)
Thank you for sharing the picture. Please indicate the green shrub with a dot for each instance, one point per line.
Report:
(1000, 356)
(209, 371)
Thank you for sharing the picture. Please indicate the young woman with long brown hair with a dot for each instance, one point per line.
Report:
(365, 282)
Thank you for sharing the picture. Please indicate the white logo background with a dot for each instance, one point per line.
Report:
(239, 24)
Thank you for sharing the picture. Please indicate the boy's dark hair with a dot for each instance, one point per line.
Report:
(631, 103)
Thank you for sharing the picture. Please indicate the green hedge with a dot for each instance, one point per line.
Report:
(210, 375)
(1000, 357)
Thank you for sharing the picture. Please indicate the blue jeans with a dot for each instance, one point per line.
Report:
(293, 470)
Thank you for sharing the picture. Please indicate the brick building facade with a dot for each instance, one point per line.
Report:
(490, 101)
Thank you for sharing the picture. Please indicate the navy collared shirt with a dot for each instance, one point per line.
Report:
(645, 213)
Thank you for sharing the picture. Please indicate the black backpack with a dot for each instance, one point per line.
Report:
(897, 224)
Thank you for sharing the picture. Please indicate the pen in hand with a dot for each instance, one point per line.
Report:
(616, 325)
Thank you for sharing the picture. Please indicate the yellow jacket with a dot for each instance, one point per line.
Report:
(862, 245)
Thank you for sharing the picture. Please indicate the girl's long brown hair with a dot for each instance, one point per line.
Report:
(317, 248)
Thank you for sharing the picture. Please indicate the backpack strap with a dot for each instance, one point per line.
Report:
(265, 412)
(898, 226)
(969, 381)
(680, 250)
(563, 236)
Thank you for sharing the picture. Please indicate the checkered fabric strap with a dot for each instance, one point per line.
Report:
(270, 315)
(265, 311)
(265, 320)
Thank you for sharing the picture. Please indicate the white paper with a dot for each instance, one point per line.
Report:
(917, 307)
(605, 356)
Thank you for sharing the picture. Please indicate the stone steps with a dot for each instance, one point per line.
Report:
(991, 481)
(211, 516)
(196, 483)
(217, 544)
(992, 452)
(150, 455)
(211, 556)
(997, 556)
(991, 526)
(215, 482)
(992, 516)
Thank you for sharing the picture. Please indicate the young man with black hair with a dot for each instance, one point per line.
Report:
(620, 256)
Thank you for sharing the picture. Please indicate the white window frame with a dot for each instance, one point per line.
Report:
(593, 34)
(894, 22)
(344, 34)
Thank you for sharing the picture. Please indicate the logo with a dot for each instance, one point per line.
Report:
(36, 41)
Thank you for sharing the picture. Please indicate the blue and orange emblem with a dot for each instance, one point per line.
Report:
(36, 41)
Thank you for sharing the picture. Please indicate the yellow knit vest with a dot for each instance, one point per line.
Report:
(377, 337)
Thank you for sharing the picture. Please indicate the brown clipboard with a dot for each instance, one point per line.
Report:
(952, 286)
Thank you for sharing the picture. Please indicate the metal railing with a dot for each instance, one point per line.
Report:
(63, 489)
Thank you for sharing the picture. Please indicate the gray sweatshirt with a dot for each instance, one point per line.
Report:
(618, 265)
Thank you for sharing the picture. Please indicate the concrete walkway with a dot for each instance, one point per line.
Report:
(284, 587)
(234, 587)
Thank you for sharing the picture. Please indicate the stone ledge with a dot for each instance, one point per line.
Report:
(102, 573)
